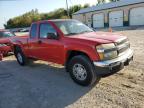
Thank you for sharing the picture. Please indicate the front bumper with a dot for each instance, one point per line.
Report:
(108, 67)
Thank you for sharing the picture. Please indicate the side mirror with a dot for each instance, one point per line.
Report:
(53, 35)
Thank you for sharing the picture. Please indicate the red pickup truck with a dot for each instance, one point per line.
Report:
(87, 55)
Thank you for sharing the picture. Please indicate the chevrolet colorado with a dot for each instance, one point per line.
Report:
(87, 55)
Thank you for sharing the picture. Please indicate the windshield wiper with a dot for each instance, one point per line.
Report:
(71, 34)
(78, 33)
(85, 32)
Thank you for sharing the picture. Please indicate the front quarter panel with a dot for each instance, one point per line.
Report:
(85, 47)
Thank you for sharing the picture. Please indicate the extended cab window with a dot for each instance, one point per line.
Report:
(46, 28)
(33, 32)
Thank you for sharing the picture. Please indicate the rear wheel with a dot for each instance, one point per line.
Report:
(82, 71)
(21, 58)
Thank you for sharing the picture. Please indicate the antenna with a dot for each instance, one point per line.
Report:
(67, 8)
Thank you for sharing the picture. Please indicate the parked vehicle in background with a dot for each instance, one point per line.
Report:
(5, 45)
(5, 33)
(1, 56)
(1, 52)
(5, 49)
(24, 30)
(87, 55)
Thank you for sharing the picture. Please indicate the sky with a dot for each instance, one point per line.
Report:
(13, 8)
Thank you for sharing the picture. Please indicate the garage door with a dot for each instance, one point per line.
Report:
(98, 20)
(137, 16)
(116, 18)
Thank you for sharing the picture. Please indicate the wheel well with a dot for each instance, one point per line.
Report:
(16, 47)
(72, 53)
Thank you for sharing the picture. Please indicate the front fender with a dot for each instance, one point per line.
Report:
(88, 50)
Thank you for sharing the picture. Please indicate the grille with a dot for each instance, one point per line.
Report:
(122, 45)
(120, 42)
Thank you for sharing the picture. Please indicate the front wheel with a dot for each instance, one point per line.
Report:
(82, 71)
(21, 58)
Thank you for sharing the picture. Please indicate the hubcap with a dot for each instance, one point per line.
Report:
(19, 56)
(79, 72)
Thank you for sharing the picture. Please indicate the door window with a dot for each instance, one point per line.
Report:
(46, 28)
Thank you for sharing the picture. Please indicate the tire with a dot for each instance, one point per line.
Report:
(21, 58)
(82, 71)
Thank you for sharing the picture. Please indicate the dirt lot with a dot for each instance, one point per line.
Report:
(41, 85)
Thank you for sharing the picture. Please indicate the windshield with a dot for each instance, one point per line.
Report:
(72, 27)
(8, 34)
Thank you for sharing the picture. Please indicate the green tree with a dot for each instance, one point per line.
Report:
(100, 1)
(26, 19)
(86, 5)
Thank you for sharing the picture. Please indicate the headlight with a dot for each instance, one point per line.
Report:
(107, 51)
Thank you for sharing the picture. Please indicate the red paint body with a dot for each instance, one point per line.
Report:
(57, 50)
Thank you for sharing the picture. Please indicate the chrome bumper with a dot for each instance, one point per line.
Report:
(127, 56)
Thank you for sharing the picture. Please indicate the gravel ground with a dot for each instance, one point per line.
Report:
(47, 85)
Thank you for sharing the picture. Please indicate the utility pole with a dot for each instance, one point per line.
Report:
(67, 8)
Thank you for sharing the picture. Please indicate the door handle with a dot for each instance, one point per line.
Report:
(39, 41)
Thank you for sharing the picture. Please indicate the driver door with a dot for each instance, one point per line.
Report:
(49, 49)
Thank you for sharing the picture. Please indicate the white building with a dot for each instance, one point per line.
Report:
(121, 13)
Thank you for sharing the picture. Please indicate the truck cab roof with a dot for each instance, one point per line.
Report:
(54, 20)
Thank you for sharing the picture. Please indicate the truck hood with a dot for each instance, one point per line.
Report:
(100, 37)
